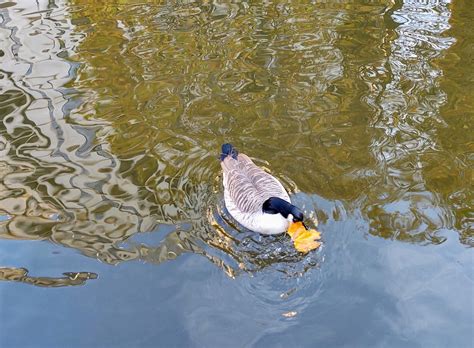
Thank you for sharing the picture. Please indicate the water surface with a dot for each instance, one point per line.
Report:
(112, 226)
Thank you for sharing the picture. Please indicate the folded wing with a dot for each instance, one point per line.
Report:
(248, 185)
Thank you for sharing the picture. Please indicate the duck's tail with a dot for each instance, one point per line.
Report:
(228, 150)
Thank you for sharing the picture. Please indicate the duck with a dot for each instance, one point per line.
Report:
(253, 197)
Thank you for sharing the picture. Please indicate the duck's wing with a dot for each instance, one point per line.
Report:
(248, 185)
(265, 183)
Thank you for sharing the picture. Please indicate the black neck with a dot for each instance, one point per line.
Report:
(275, 205)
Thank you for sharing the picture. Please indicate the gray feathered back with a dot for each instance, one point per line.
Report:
(248, 185)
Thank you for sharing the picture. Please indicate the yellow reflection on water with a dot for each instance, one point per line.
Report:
(69, 279)
(113, 115)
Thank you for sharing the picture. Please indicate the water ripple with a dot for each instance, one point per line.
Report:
(113, 117)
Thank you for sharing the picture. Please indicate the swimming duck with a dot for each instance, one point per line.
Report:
(254, 198)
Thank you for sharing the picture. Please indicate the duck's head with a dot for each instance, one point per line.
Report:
(275, 205)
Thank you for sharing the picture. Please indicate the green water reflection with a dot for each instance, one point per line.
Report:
(113, 115)
(128, 135)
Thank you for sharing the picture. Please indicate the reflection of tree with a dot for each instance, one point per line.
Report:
(406, 98)
(179, 79)
(169, 83)
(126, 143)
(69, 279)
(56, 182)
(450, 174)
(113, 114)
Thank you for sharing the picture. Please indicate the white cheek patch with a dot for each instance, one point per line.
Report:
(290, 218)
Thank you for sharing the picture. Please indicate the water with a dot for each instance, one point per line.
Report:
(112, 226)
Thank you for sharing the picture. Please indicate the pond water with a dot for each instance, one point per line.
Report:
(112, 226)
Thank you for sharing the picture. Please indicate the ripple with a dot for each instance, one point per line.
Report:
(112, 118)
(251, 252)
